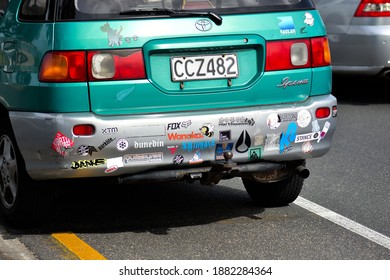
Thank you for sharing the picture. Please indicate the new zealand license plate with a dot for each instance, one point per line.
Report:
(204, 67)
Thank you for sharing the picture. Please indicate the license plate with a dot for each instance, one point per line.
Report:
(204, 67)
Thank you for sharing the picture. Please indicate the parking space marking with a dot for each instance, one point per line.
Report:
(344, 222)
(77, 246)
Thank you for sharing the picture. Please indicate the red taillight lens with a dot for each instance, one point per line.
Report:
(63, 67)
(320, 52)
(322, 113)
(283, 55)
(373, 8)
(294, 54)
(116, 65)
(83, 130)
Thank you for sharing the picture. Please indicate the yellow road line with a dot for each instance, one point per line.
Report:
(77, 246)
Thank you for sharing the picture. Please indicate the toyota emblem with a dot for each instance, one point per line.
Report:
(203, 25)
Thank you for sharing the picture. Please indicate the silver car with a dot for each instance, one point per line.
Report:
(359, 35)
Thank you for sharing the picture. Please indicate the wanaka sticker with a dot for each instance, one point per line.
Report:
(61, 144)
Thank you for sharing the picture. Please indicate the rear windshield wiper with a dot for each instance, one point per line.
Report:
(174, 13)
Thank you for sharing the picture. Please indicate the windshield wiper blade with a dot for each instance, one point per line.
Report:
(174, 13)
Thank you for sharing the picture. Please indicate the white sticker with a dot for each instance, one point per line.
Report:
(304, 118)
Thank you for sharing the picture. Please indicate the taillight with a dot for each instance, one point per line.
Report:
(69, 66)
(83, 130)
(320, 52)
(373, 8)
(294, 54)
(116, 65)
(322, 113)
(81, 66)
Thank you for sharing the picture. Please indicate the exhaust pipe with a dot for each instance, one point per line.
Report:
(302, 171)
(386, 74)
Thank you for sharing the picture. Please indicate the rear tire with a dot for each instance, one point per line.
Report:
(23, 202)
(274, 194)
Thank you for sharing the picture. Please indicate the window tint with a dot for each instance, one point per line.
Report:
(34, 10)
(99, 9)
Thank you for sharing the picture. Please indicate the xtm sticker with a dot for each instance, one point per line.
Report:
(61, 144)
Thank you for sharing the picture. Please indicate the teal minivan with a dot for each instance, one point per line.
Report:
(140, 91)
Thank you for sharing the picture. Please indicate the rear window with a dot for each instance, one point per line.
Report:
(98, 9)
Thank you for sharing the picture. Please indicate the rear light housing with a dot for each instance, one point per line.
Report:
(295, 54)
(373, 8)
(83, 66)
(83, 130)
(322, 113)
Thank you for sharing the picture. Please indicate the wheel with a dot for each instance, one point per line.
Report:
(274, 194)
(22, 202)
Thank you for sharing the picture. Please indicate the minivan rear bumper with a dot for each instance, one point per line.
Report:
(124, 145)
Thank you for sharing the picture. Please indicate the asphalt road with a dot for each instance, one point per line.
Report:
(194, 222)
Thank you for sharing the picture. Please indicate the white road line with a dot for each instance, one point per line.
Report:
(344, 222)
(13, 249)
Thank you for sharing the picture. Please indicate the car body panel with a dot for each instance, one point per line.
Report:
(156, 123)
(359, 45)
